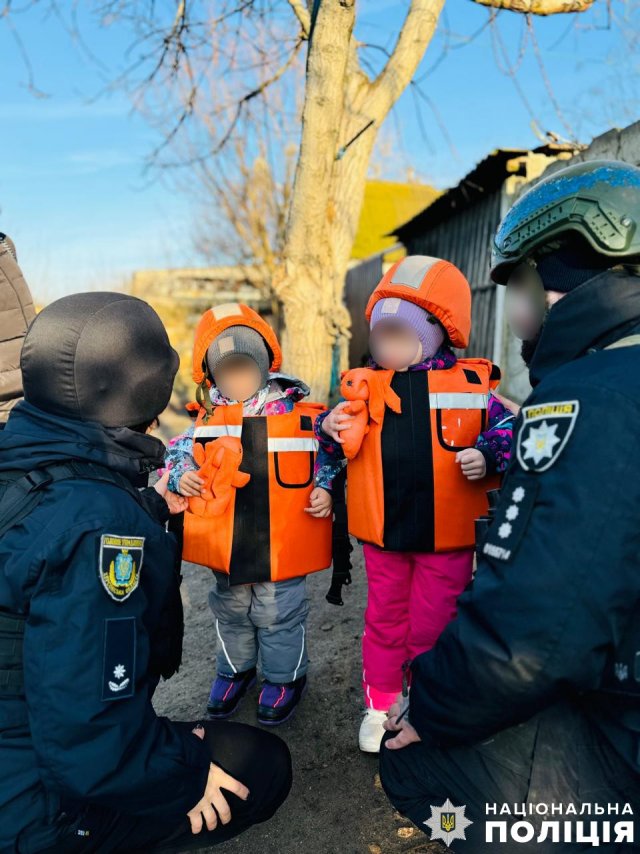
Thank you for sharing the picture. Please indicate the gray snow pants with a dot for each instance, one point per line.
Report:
(267, 618)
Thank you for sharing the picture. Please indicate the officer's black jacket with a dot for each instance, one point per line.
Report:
(71, 739)
(558, 586)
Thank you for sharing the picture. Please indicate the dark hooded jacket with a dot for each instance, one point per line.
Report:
(68, 740)
(552, 610)
(90, 574)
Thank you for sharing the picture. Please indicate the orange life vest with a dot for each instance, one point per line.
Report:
(258, 474)
(453, 413)
(457, 401)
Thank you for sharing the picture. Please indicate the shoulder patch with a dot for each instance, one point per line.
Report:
(120, 564)
(119, 662)
(544, 432)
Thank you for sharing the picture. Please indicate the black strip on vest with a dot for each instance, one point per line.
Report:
(306, 423)
(472, 377)
(407, 468)
(496, 373)
(250, 553)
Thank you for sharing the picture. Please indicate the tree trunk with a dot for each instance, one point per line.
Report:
(306, 283)
(341, 118)
(307, 341)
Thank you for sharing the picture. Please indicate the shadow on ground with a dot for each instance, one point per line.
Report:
(336, 805)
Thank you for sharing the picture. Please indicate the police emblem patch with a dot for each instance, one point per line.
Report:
(119, 564)
(544, 433)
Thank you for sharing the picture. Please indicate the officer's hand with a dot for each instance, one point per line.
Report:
(406, 736)
(406, 733)
(336, 421)
(175, 503)
(472, 463)
(191, 484)
(320, 502)
(213, 804)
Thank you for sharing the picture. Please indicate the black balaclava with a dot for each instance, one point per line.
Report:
(571, 264)
(100, 356)
(567, 266)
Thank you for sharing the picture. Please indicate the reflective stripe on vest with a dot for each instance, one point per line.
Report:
(280, 445)
(217, 430)
(458, 400)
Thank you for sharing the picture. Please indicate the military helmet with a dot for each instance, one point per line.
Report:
(99, 356)
(599, 200)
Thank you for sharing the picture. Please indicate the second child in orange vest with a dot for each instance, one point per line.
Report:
(259, 510)
(424, 438)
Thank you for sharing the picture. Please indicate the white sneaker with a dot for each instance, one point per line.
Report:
(371, 731)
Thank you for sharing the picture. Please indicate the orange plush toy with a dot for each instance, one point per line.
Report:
(219, 468)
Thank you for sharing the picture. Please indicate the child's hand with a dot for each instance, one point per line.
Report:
(472, 463)
(321, 503)
(336, 421)
(191, 485)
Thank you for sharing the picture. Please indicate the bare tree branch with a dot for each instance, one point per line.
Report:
(302, 14)
(417, 31)
(539, 7)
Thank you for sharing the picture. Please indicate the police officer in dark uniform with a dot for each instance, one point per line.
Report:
(90, 613)
(531, 697)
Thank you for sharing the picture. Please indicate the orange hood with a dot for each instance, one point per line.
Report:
(435, 285)
(215, 320)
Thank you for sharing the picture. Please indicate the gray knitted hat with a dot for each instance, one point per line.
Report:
(239, 341)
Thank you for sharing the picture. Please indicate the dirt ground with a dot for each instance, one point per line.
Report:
(336, 805)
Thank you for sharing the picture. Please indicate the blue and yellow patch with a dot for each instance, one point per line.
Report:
(120, 564)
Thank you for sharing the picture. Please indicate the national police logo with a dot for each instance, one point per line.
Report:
(448, 822)
(544, 432)
(120, 564)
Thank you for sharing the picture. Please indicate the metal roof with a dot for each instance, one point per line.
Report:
(485, 178)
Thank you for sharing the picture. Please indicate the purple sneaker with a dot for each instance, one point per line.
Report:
(227, 691)
(277, 703)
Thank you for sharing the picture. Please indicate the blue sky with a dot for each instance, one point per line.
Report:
(76, 199)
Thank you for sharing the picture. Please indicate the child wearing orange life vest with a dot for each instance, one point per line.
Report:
(424, 439)
(247, 468)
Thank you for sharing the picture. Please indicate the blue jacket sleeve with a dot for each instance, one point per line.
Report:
(553, 587)
(179, 458)
(495, 442)
(92, 744)
(330, 459)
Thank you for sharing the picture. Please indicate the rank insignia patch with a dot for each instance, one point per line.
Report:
(517, 500)
(119, 662)
(544, 432)
(119, 564)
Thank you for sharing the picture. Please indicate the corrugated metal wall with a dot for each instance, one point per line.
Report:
(465, 240)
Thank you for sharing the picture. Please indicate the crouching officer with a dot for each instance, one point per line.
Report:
(90, 615)
(528, 707)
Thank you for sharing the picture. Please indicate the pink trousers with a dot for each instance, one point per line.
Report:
(412, 596)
